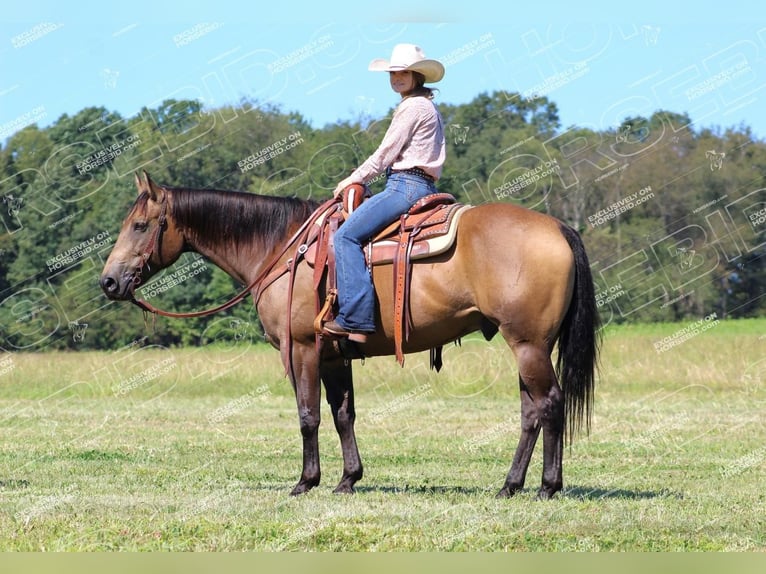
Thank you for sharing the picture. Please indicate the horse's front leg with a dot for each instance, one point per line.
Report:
(308, 396)
(337, 378)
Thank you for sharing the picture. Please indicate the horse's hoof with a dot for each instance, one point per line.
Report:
(302, 488)
(507, 492)
(344, 489)
(546, 493)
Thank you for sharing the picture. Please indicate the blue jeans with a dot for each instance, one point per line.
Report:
(356, 294)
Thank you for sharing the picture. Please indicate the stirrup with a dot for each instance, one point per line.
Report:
(342, 333)
(321, 318)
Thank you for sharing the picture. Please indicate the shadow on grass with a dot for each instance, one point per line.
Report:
(13, 483)
(588, 493)
(378, 488)
(420, 489)
(571, 492)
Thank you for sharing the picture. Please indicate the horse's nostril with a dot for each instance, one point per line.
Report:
(109, 284)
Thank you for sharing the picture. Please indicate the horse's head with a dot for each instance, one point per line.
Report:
(148, 242)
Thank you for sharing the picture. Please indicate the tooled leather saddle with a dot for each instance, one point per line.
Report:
(427, 229)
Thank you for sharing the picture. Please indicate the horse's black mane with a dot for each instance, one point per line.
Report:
(244, 215)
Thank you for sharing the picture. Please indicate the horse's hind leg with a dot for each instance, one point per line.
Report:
(338, 381)
(542, 408)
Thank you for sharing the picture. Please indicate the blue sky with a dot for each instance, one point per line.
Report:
(598, 66)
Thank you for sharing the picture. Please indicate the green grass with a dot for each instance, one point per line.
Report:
(198, 450)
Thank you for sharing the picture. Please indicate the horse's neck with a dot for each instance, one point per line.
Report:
(241, 259)
(230, 261)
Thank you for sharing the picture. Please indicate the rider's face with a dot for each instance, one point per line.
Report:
(402, 81)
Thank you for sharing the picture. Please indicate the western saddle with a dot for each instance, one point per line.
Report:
(427, 229)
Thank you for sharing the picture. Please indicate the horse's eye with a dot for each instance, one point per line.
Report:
(140, 226)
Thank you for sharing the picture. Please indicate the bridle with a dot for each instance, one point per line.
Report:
(155, 241)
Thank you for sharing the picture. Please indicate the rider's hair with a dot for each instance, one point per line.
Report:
(420, 89)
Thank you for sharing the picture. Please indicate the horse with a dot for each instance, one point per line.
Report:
(512, 270)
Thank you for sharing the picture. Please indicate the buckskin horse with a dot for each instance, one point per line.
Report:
(510, 270)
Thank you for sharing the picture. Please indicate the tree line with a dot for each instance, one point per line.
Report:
(673, 215)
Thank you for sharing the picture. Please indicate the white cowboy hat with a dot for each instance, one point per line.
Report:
(409, 57)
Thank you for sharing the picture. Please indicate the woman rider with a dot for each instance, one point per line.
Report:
(412, 154)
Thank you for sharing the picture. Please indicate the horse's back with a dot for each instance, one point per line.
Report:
(509, 230)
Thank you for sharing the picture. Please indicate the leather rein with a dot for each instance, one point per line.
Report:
(263, 280)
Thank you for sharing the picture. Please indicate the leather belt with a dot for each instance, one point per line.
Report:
(412, 171)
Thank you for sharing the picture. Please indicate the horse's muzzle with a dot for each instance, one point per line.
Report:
(115, 289)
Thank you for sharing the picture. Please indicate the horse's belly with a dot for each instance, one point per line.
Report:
(440, 308)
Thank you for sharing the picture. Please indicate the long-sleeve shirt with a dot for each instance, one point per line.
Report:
(415, 138)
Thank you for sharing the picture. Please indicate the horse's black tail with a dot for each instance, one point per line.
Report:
(579, 342)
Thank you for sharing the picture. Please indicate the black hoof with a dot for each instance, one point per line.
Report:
(303, 487)
(344, 489)
(507, 491)
(547, 493)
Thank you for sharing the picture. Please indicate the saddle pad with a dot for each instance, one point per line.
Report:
(383, 250)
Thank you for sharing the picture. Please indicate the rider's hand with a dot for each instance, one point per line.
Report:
(343, 185)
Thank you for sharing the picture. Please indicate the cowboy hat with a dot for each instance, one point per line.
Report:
(409, 57)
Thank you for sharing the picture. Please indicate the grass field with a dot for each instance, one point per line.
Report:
(150, 449)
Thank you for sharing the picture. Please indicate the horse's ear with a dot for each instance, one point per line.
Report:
(156, 193)
(139, 184)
